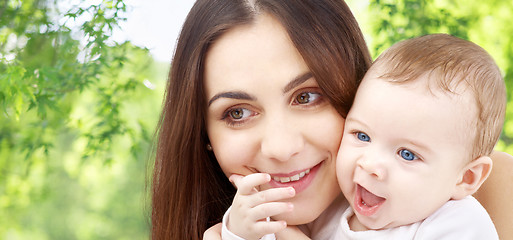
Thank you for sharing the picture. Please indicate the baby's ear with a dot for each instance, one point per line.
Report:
(472, 176)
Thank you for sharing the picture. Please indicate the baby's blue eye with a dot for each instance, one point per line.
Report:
(363, 137)
(407, 155)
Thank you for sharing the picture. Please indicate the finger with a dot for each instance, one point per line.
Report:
(271, 195)
(247, 185)
(265, 227)
(269, 209)
(235, 177)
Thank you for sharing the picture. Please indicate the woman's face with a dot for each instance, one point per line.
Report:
(266, 113)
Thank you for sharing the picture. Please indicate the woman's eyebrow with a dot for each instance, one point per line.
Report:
(232, 95)
(244, 96)
(297, 81)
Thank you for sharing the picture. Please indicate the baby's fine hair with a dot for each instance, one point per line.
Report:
(448, 62)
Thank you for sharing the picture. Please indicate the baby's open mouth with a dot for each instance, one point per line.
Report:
(367, 203)
(369, 199)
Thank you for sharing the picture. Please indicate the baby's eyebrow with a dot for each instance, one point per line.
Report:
(232, 95)
(297, 81)
(419, 145)
(355, 120)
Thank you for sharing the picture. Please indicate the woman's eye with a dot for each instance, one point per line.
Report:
(307, 97)
(237, 113)
(363, 137)
(407, 155)
(303, 98)
(237, 116)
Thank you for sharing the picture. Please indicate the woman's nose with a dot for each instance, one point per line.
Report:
(281, 140)
(373, 165)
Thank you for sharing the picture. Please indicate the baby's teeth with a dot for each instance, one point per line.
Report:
(285, 179)
(307, 171)
(302, 174)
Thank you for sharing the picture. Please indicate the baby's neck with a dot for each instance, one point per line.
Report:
(355, 225)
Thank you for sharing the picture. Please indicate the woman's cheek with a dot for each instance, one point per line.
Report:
(333, 131)
(234, 153)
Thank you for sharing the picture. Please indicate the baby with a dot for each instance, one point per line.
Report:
(415, 147)
(416, 142)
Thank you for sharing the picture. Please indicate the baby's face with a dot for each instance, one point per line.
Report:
(403, 151)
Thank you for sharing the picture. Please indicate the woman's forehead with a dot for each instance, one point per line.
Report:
(251, 55)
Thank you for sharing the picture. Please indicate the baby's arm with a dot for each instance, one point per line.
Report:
(213, 233)
(251, 208)
(291, 232)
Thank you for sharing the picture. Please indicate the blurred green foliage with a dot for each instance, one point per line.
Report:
(77, 113)
(78, 110)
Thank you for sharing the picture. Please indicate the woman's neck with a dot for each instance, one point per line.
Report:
(327, 221)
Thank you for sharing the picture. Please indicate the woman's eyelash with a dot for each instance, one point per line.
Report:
(307, 98)
(226, 114)
(234, 122)
(229, 121)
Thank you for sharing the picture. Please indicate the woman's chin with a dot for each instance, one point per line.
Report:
(316, 195)
(294, 218)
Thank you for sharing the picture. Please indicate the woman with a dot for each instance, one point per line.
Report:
(209, 121)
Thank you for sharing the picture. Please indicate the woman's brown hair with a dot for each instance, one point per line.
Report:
(190, 191)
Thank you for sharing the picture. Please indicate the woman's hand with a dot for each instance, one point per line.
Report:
(496, 193)
(251, 209)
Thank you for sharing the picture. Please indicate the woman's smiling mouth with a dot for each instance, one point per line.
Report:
(292, 178)
(299, 180)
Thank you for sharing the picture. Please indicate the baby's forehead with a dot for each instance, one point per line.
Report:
(458, 96)
(410, 111)
(436, 81)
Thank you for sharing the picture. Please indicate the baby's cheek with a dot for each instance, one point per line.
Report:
(345, 167)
